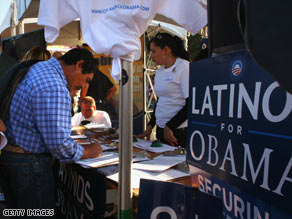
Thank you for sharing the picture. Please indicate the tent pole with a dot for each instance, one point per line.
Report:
(126, 140)
(145, 88)
(13, 18)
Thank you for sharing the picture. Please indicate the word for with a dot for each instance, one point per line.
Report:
(231, 128)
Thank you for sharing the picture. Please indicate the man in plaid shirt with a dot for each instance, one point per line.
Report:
(39, 126)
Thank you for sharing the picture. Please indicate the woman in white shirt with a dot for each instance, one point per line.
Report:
(171, 85)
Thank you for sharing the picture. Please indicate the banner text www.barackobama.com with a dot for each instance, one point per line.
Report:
(28, 212)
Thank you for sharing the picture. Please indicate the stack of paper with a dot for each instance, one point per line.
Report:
(107, 147)
(94, 125)
(107, 158)
(78, 136)
(81, 139)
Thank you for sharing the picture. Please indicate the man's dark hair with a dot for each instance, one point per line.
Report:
(74, 55)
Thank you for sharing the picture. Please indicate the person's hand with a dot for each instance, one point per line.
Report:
(147, 132)
(92, 150)
(169, 137)
(2, 126)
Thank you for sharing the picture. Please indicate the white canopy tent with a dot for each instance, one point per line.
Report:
(71, 34)
(114, 27)
(5, 20)
(21, 17)
(171, 28)
(25, 20)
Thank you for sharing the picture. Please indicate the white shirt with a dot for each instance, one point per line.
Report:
(172, 88)
(99, 117)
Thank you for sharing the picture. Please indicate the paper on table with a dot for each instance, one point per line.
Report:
(106, 147)
(141, 174)
(160, 163)
(94, 125)
(84, 143)
(78, 136)
(146, 145)
(107, 158)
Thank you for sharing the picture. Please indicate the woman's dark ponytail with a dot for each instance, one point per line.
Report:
(180, 49)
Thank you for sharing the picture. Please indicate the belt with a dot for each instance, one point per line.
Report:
(20, 150)
(14, 149)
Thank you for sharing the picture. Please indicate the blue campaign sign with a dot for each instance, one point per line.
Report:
(236, 203)
(165, 200)
(80, 192)
(240, 127)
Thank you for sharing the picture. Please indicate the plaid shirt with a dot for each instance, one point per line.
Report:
(39, 118)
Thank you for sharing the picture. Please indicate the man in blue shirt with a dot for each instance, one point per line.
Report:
(39, 126)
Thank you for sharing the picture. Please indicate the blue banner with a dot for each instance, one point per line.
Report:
(81, 192)
(236, 204)
(164, 200)
(240, 127)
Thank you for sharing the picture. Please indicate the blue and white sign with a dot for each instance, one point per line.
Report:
(80, 192)
(236, 203)
(165, 200)
(240, 127)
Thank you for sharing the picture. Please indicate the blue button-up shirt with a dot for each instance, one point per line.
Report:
(39, 118)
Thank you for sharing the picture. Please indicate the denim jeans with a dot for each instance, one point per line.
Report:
(27, 180)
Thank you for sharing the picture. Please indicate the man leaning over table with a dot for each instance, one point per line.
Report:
(38, 128)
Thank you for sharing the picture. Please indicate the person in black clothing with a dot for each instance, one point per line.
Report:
(6, 61)
(102, 90)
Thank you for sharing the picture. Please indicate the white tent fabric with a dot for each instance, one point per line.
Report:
(70, 34)
(114, 27)
(27, 8)
(5, 22)
(173, 29)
